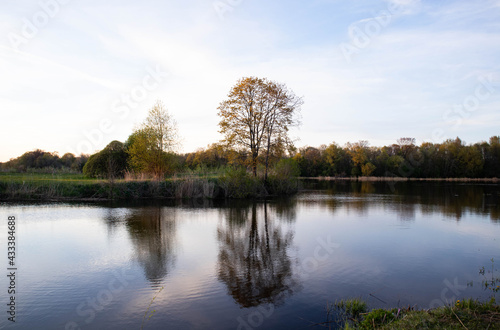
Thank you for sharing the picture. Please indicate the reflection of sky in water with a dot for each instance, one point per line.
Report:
(221, 262)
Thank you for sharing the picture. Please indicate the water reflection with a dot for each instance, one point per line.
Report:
(406, 211)
(257, 252)
(254, 260)
(113, 218)
(407, 198)
(153, 233)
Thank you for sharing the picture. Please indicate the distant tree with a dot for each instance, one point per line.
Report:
(429, 165)
(256, 115)
(150, 145)
(337, 160)
(394, 164)
(359, 155)
(111, 162)
(367, 169)
(448, 152)
(79, 163)
(46, 161)
(213, 156)
(406, 146)
(471, 162)
(491, 155)
(311, 162)
(68, 159)
(37, 160)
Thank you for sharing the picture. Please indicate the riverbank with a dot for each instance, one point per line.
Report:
(463, 314)
(399, 178)
(234, 184)
(78, 188)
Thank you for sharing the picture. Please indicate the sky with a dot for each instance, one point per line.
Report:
(76, 75)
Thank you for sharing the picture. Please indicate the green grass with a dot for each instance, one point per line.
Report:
(464, 314)
(354, 307)
(44, 186)
(45, 177)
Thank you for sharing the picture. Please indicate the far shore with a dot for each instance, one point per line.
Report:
(398, 178)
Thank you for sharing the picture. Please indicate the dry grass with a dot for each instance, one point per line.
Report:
(131, 176)
(194, 187)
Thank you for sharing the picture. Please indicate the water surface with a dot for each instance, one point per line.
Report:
(250, 264)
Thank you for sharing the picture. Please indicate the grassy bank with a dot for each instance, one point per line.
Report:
(231, 184)
(464, 314)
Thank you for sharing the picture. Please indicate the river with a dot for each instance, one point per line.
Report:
(273, 264)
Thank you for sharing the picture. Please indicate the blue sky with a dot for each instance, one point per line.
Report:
(76, 75)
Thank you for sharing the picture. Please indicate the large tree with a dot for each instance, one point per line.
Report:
(257, 115)
(150, 144)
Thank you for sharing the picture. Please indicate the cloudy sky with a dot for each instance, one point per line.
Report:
(75, 75)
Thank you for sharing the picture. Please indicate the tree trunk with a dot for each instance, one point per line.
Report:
(267, 157)
(254, 162)
(254, 166)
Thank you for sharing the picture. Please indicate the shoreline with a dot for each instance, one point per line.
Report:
(189, 188)
(460, 314)
(176, 188)
(399, 179)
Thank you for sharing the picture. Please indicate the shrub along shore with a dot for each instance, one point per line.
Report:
(235, 184)
(462, 314)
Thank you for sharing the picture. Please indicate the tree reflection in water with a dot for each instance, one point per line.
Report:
(254, 259)
(153, 233)
(408, 198)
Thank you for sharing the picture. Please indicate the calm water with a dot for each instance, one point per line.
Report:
(245, 265)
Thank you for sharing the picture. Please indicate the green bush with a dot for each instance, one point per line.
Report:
(236, 182)
(110, 162)
(282, 179)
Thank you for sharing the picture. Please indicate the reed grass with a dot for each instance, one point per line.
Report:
(232, 183)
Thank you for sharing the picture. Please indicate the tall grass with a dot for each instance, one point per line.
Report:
(238, 183)
(222, 183)
(48, 190)
(195, 187)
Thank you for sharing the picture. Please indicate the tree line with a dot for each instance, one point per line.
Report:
(449, 159)
(43, 161)
(255, 120)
